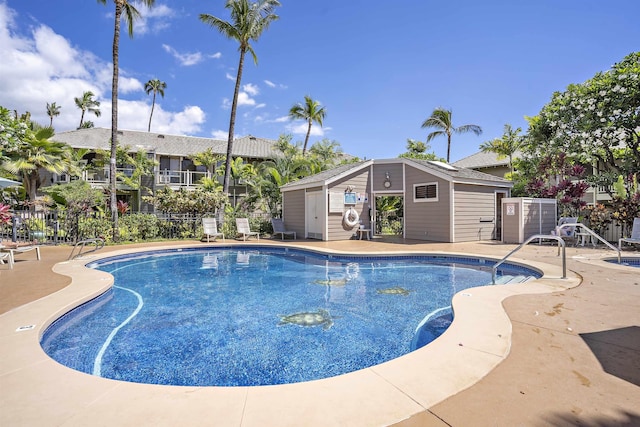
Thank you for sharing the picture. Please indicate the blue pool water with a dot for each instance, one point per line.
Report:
(244, 316)
(626, 261)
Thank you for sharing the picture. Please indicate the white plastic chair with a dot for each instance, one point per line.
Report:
(278, 228)
(635, 234)
(242, 225)
(210, 229)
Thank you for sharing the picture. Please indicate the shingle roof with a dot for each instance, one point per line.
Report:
(170, 145)
(483, 159)
(461, 173)
(456, 174)
(324, 176)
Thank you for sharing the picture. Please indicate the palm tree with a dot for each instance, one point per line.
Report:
(441, 119)
(506, 146)
(155, 86)
(53, 110)
(130, 15)
(87, 103)
(311, 112)
(248, 21)
(37, 152)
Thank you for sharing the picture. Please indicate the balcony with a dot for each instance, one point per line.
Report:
(175, 178)
(172, 178)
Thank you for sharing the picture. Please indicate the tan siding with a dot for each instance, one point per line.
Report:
(294, 211)
(426, 220)
(395, 175)
(474, 203)
(337, 230)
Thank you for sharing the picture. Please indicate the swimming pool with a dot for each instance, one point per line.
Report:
(235, 316)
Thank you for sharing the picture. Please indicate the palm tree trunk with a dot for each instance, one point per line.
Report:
(232, 123)
(306, 139)
(153, 104)
(113, 206)
(448, 146)
(81, 119)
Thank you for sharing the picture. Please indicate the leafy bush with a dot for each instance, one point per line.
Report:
(138, 227)
(90, 227)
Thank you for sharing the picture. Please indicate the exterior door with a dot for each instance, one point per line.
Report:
(314, 215)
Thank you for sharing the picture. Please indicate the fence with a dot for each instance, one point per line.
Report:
(59, 227)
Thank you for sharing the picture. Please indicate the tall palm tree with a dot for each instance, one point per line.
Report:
(53, 110)
(310, 111)
(123, 7)
(87, 103)
(248, 21)
(506, 146)
(441, 119)
(155, 86)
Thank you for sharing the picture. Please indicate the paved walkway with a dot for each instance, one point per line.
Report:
(574, 356)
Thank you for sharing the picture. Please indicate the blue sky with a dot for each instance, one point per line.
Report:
(379, 68)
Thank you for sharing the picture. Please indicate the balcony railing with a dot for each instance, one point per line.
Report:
(163, 177)
(180, 178)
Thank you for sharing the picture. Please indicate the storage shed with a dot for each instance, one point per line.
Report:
(522, 217)
(441, 203)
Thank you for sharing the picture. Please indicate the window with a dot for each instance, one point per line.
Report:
(425, 192)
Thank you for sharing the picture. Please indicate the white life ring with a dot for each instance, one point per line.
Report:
(351, 217)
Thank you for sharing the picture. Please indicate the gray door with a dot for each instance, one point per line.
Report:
(314, 215)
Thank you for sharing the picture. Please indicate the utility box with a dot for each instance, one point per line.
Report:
(522, 217)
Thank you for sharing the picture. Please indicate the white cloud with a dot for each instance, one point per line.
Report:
(243, 99)
(251, 89)
(155, 19)
(272, 84)
(282, 119)
(216, 55)
(41, 67)
(185, 59)
(220, 134)
(230, 77)
(301, 129)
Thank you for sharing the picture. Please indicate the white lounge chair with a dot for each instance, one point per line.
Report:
(13, 248)
(278, 228)
(635, 234)
(242, 225)
(8, 256)
(210, 229)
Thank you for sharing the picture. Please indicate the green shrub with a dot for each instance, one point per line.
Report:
(89, 227)
(139, 226)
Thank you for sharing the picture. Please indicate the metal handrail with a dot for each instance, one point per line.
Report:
(593, 234)
(98, 242)
(494, 269)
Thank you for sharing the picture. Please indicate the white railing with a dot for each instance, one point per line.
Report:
(163, 177)
(180, 178)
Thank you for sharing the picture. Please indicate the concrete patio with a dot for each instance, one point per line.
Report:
(564, 357)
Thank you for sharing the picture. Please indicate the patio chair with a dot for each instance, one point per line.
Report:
(635, 234)
(567, 233)
(278, 228)
(242, 225)
(13, 248)
(210, 229)
(8, 256)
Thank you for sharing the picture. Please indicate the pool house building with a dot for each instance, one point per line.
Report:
(441, 203)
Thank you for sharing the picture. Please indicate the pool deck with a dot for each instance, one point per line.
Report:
(549, 352)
